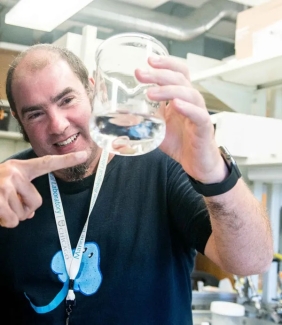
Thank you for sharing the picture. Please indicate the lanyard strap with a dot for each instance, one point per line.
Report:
(73, 261)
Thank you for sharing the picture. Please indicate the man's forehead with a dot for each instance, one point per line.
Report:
(35, 61)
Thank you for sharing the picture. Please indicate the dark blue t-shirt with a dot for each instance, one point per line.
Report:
(142, 237)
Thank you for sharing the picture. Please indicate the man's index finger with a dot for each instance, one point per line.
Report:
(43, 165)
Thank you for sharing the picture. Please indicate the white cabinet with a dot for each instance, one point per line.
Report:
(249, 137)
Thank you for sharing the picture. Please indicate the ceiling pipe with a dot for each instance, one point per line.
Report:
(117, 14)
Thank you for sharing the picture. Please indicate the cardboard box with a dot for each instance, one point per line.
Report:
(4, 118)
(259, 31)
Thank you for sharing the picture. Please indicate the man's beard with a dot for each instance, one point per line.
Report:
(78, 172)
(75, 173)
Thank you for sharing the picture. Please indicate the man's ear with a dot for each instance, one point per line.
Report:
(13, 113)
(92, 81)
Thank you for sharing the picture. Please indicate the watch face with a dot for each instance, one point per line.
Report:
(226, 156)
(229, 160)
(225, 152)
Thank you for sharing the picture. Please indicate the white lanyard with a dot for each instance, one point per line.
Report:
(72, 261)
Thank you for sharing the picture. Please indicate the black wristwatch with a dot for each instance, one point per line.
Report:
(226, 184)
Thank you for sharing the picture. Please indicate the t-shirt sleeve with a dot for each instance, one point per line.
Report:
(189, 214)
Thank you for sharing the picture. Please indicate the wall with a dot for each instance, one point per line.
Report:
(6, 56)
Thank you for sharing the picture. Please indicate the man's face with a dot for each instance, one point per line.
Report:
(53, 108)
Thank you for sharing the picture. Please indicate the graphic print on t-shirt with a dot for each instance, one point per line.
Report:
(89, 276)
(87, 281)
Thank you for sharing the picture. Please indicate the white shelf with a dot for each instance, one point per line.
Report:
(251, 2)
(266, 173)
(10, 135)
(275, 160)
(260, 161)
(12, 47)
(257, 71)
(4, 102)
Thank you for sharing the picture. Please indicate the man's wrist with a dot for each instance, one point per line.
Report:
(222, 187)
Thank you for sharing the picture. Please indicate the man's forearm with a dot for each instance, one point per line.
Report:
(241, 242)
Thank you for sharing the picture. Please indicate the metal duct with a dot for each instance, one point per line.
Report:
(120, 15)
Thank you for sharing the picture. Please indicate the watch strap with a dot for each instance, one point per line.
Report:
(217, 188)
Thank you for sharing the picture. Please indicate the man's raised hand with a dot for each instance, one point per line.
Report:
(18, 197)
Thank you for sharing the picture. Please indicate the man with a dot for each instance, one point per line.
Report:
(135, 253)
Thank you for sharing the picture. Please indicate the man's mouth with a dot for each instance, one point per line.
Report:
(67, 141)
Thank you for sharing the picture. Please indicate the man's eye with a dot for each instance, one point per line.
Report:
(67, 100)
(33, 116)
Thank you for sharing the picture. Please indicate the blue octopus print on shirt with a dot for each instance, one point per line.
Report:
(87, 281)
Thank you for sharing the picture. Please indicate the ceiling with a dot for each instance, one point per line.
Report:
(204, 27)
(177, 16)
(223, 31)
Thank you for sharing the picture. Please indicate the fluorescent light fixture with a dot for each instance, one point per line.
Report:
(43, 15)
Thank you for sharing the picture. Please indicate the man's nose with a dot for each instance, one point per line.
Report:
(58, 123)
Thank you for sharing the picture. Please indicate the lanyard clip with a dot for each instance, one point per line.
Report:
(70, 299)
(69, 307)
(70, 303)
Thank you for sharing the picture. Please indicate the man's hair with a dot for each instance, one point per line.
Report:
(73, 61)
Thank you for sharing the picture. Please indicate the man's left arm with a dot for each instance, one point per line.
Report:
(241, 239)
